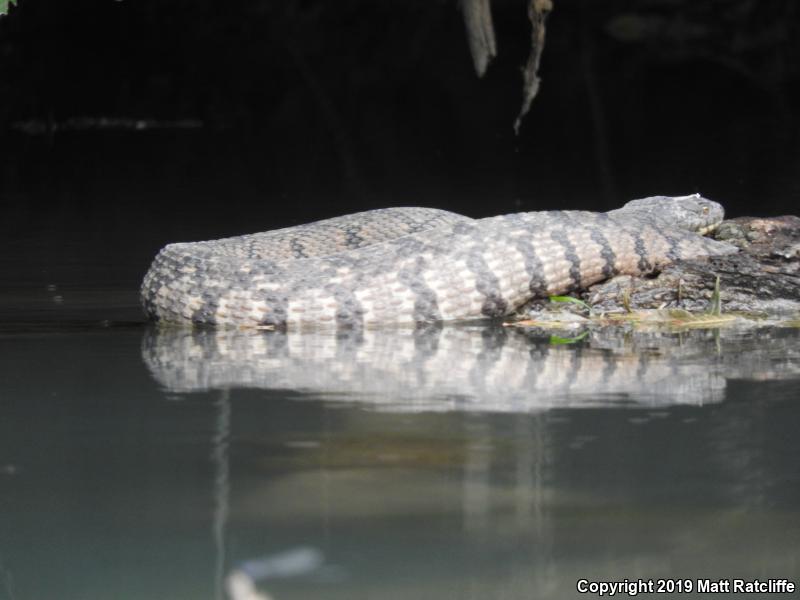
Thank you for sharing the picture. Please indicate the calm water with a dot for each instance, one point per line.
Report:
(473, 463)
(458, 463)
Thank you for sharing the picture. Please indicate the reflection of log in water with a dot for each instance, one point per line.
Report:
(489, 369)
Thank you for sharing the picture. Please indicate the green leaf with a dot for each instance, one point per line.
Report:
(556, 340)
(4, 4)
(572, 300)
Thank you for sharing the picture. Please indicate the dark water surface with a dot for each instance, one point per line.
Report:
(459, 463)
(466, 463)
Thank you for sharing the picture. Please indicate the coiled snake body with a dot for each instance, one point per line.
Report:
(412, 265)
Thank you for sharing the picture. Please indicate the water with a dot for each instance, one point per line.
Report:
(473, 462)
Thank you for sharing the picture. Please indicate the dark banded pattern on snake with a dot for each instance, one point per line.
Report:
(413, 265)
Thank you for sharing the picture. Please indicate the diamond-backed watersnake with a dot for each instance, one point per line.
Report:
(413, 265)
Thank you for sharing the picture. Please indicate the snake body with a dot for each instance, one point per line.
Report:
(415, 265)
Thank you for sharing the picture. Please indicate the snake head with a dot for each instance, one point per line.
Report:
(693, 212)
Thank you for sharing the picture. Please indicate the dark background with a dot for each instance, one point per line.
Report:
(309, 109)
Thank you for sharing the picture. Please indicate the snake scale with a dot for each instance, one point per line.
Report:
(417, 265)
